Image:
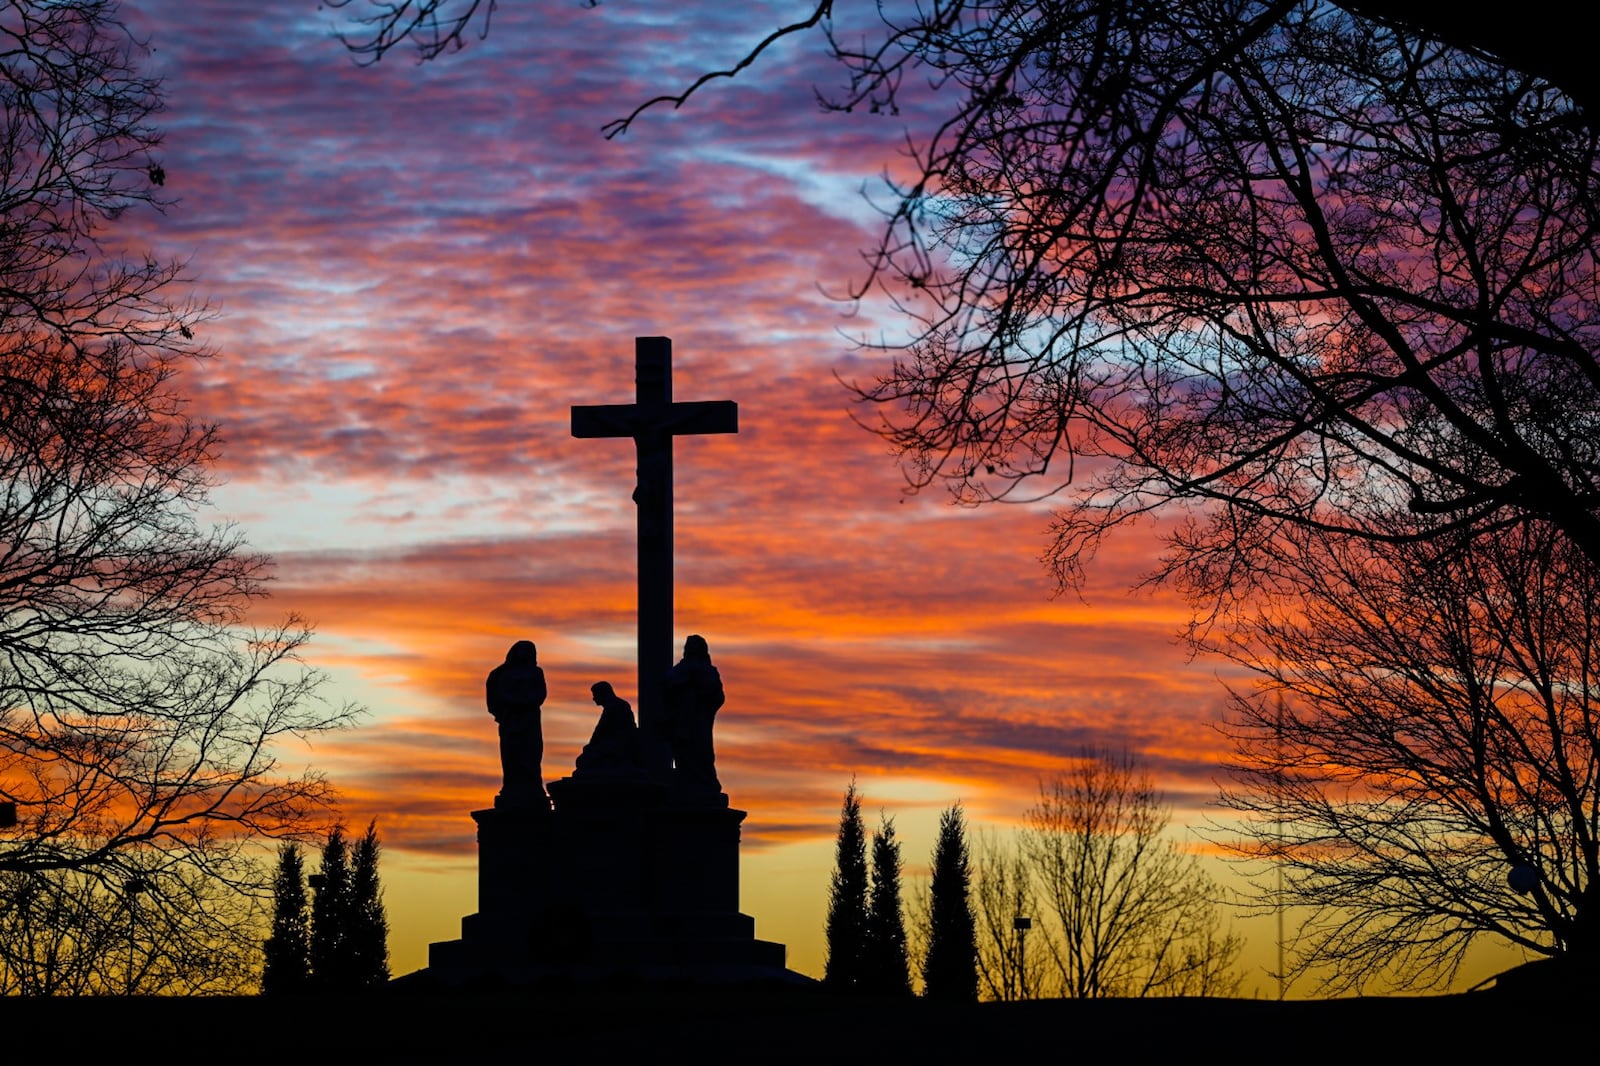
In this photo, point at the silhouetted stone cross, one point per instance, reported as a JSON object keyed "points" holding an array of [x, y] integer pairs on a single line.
{"points": [[652, 421]]}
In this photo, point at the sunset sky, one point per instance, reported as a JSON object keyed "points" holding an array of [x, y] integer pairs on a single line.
{"points": [[417, 270]]}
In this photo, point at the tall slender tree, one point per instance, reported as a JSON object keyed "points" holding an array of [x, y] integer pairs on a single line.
{"points": [[884, 969], [847, 899], [367, 936], [950, 971], [288, 949], [330, 914]]}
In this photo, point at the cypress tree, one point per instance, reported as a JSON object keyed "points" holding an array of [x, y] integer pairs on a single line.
{"points": [[288, 949], [951, 969], [884, 968], [330, 915], [847, 899], [367, 936]]}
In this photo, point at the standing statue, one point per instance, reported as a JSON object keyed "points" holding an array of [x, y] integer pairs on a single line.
{"points": [[693, 696], [516, 691], [614, 747]]}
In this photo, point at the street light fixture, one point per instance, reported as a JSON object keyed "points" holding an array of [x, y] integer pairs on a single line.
{"points": [[1022, 925]]}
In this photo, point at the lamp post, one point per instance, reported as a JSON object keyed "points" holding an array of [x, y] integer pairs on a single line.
{"points": [[133, 887], [1022, 925]]}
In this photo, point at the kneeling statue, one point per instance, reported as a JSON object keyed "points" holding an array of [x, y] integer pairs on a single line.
{"points": [[615, 743]]}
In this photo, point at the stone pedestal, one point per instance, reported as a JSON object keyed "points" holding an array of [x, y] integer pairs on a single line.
{"points": [[622, 878]]}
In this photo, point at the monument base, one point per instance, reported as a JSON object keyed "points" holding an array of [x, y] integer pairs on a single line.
{"points": [[621, 879]]}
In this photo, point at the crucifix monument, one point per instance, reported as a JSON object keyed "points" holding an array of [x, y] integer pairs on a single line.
{"points": [[630, 866], [652, 420]]}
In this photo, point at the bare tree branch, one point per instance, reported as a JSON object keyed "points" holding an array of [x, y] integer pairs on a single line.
{"points": [[617, 127], [434, 27]]}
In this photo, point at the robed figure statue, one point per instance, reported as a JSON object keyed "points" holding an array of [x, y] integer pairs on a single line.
{"points": [[693, 696], [516, 692]]}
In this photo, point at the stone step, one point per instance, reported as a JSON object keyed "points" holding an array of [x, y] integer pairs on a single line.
{"points": [[465, 960]]}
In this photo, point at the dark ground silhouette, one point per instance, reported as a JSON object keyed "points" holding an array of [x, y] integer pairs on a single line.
{"points": [[625, 1022]]}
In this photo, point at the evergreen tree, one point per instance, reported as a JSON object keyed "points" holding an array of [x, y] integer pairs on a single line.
{"points": [[884, 969], [288, 949], [367, 936], [950, 971], [330, 915], [847, 899]]}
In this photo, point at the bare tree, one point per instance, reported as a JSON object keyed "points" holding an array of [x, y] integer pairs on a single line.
{"points": [[1429, 722], [54, 937], [1130, 912], [919, 919], [172, 930], [139, 720], [1003, 893], [1293, 270]]}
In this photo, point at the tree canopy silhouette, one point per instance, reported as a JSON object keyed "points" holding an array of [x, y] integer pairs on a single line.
{"points": [[1304, 272], [1421, 760], [139, 718], [1004, 896], [1319, 290]]}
